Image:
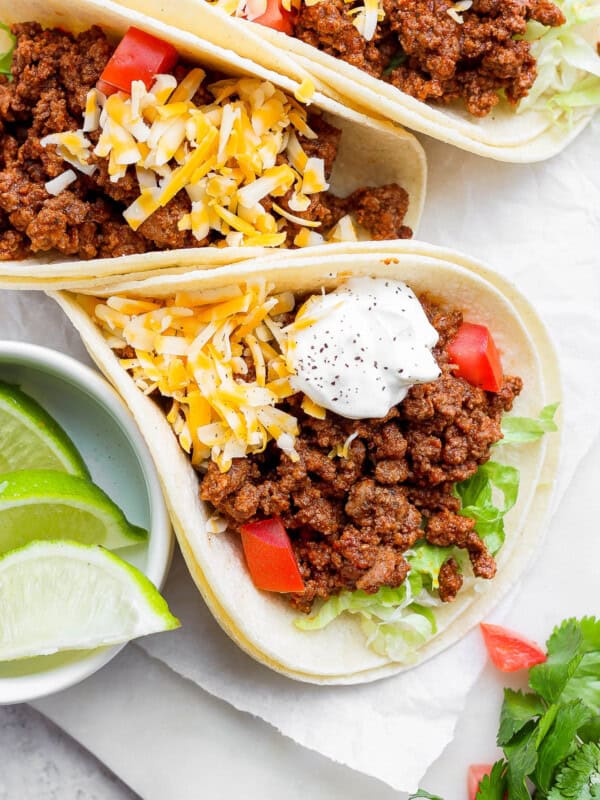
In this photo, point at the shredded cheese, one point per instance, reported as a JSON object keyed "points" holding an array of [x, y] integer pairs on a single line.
{"points": [[61, 182], [454, 12], [223, 153], [196, 348]]}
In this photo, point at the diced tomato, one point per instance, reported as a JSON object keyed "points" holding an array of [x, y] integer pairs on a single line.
{"points": [[270, 557], [275, 16], [474, 352], [139, 57], [474, 776], [509, 650]]}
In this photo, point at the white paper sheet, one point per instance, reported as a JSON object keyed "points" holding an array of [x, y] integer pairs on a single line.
{"points": [[539, 225]]}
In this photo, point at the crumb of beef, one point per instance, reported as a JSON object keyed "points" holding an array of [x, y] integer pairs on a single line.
{"points": [[443, 60], [118, 239], [52, 74], [326, 144], [161, 228], [381, 211], [446, 529], [63, 223], [450, 581], [351, 520]]}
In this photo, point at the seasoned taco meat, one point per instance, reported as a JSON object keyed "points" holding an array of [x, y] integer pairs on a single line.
{"points": [[352, 518], [52, 74], [428, 53]]}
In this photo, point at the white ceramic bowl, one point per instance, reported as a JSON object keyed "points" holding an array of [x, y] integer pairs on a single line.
{"points": [[105, 433]]}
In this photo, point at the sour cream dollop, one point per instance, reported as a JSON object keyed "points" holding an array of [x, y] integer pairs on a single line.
{"points": [[358, 350]]}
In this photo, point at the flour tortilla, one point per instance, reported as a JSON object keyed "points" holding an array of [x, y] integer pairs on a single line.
{"points": [[262, 623], [503, 135], [372, 152]]}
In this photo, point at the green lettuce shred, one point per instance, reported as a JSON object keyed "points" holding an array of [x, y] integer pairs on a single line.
{"points": [[519, 430], [568, 81], [479, 503], [8, 42], [427, 560], [393, 623]]}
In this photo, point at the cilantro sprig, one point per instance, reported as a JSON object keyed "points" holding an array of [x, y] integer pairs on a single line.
{"points": [[550, 736]]}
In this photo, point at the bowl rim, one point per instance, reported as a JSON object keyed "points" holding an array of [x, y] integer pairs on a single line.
{"points": [[25, 688]]}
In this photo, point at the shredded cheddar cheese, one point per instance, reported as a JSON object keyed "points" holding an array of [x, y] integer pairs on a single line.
{"points": [[223, 153], [198, 348]]}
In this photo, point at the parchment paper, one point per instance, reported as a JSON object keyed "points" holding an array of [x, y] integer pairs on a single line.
{"points": [[539, 225]]}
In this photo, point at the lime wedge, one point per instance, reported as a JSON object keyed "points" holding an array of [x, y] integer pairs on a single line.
{"points": [[68, 596], [31, 439], [43, 504]]}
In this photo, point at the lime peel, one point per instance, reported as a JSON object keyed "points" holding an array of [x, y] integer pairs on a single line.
{"points": [[44, 504], [31, 439], [68, 596]]}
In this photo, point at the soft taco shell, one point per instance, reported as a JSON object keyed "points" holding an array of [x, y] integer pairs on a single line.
{"points": [[261, 623], [503, 135], [372, 151]]}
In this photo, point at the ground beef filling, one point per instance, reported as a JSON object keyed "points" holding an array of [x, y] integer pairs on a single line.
{"points": [[422, 50], [352, 519], [52, 74]]}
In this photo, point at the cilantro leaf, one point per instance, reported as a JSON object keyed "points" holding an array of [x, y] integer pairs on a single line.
{"points": [[423, 793], [477, 498], [7, 40], [590, 630], [517, 710], [585, 681], [579, 778], [519, 430], [493, 786], [521, 756], [565, 652], [546, 723], [591, 731], [559, 741]]}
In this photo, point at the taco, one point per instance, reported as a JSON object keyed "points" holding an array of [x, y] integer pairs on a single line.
{"points": [[324, 448], [514, 80], [133, 147]]}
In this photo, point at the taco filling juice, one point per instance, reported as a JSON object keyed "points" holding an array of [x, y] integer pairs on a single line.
{"points": [[346, 436], [115, 152]]}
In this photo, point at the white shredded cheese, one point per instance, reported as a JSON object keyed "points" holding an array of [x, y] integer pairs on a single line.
{"points": [[60, 183], [196, 348], [455, 10], [223, 153]]}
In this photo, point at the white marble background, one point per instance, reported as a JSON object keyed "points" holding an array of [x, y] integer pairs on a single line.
{"points": [[40, 762]]}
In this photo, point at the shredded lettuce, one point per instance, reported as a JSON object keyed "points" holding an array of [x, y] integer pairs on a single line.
{"points": [[427, 560], [478, 502], [7, 44], [393, 623], [568, 81], [400, 640], [519, 430]]}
